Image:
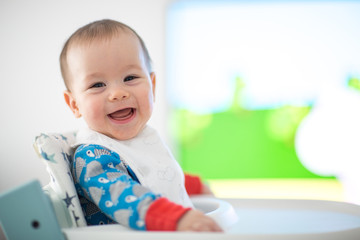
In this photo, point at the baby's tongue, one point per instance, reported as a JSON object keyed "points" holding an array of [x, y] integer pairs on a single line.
{"points": [[121, 114]]}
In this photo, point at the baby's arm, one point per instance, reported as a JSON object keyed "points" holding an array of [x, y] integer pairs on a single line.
{"points": [[109, 184], [194, 185], [173, 217]]}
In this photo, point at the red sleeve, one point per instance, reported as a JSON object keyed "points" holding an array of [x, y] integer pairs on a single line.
{"points": [[164, 215], [193, 184]]}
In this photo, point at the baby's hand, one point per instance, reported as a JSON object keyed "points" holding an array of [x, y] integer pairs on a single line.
{"points": [[195, 220], [206, 190]]}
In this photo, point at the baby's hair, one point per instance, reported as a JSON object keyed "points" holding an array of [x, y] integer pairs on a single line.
{"points": [[98, 30]]}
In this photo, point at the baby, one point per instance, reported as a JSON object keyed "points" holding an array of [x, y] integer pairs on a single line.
{"points": [[123, 171]]}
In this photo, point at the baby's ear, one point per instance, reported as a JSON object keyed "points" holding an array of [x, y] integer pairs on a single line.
{"points": [[71, 102], [153, 83]]}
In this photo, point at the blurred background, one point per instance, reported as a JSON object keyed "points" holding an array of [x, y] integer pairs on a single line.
{"points": [[259, 98]]}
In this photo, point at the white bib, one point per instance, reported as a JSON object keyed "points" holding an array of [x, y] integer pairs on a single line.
{"points": [[149, 158]]}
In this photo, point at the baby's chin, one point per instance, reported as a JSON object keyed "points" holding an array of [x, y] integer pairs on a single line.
{"points": [[123, 135]]}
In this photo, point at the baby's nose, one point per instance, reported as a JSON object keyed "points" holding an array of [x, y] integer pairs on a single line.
{"points": [[118, 93]]}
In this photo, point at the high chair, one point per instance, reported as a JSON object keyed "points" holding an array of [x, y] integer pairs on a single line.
{"points": [[240, 218]]}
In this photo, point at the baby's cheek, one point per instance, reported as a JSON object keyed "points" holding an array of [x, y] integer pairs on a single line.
{"points": [[95, 111]]}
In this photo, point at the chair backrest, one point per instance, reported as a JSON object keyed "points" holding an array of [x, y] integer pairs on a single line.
{"points": [[56, 152]]}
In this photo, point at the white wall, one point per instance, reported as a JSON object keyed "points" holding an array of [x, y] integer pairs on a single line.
{"points": [[31, 37]]}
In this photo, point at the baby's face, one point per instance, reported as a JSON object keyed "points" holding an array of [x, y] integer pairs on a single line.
{"points": [[111, 86]]}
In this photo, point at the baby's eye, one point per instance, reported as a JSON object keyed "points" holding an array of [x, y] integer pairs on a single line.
{"points": [[129, 78], [98, 85]]}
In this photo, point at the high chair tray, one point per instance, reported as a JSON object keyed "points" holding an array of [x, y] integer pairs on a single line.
{"points": [[257, 219]]}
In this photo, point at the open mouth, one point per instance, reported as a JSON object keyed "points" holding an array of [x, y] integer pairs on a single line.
{"points": [[123, 115]]}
